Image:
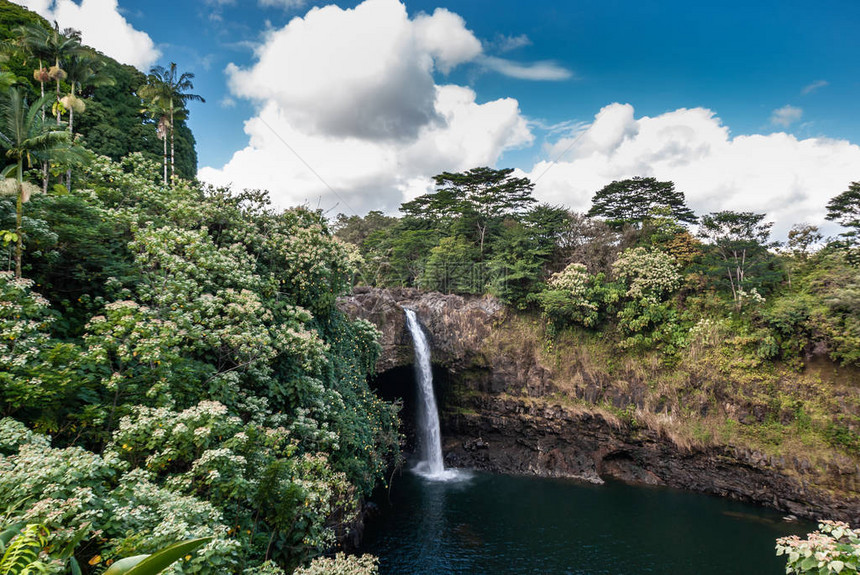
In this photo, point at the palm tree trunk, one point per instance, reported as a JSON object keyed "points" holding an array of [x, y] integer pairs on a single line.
{"points": [[57, 90], [71, 137], [44, 164], [172, 150], [19, 221], [164, 139]]}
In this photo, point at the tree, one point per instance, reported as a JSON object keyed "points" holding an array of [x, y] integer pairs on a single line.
{"points": [[740, 239], [483, 193], [27, 137], [49, 44], [356, 229], [801, 237], [635, 200], [845, 210], [167, 92], [82, 70]]}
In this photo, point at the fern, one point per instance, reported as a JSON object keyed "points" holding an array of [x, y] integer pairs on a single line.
{"points": [[22, 554]]}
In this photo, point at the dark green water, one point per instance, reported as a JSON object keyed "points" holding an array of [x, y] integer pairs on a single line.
{"points": [[498, 524]]}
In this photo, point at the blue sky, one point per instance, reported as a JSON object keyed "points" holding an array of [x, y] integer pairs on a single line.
{"points": [[741, 59], [760, 95]]}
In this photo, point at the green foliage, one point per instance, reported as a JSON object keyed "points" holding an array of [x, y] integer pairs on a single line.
{"points": [[572, 296], [450, 267], [834, 548], [738, 251], [21, 555], [156, 562], [341, 564], [34, 375], [845, 210], [199, 392], [636, 200]]}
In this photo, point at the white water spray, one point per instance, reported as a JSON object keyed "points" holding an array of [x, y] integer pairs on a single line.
{"points": [[429, 435]]}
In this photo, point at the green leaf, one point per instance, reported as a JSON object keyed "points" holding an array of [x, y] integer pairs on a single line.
{"points": [[7, 535], [123, 566], [837, 566], [158, 561]]}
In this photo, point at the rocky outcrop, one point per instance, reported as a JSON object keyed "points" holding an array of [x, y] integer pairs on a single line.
{"points": [[507, 409], [513, 435], [456, 325]]}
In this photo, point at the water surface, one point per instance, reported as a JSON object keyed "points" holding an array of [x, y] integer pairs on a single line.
{"points": [[497, 524]]}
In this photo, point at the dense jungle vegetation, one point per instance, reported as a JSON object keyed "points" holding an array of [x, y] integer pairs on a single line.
{"points": [[630, 269], [172, 363]]}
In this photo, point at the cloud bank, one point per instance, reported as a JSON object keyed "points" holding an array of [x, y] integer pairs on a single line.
{"points": [[102, 26], [789, 179], [350, 95]]}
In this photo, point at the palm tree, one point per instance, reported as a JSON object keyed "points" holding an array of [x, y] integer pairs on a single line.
{"points": [[168, 90], [49, 44], [82, 70], [161, 117], [27, 138]]}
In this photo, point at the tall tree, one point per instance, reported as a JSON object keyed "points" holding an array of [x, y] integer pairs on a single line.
{"points": [[845, 210], [50, 45], [740, 239], [636, 200], [83, 70], [27, 138], [168, 90], [484, 195]]}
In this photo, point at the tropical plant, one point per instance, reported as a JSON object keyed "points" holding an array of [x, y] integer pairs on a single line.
{"points": [[50, 45], [155, 563], [83, 70], [27, 137], [167, 94], [845, 210], [21, 547], [834, 548]]}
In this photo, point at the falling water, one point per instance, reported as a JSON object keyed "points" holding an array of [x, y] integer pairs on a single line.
{"points": [[430, 438]]}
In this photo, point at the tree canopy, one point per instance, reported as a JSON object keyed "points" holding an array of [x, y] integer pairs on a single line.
{"points": [[635, 200], [845, 210]]}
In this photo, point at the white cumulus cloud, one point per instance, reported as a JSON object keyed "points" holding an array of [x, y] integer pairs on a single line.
{"points": [[348, 97], [445, 37], [789, 179], [102, 26]]}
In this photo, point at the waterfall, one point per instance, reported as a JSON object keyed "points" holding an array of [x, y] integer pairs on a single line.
{"points": [[429, 435]]}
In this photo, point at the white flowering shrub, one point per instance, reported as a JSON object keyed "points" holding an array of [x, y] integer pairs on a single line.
{"points": [[72, 491], [573, 296], [646, 318], [648, 274], [34, 368], [341, 564], [834, 548], [312, 266], [249, 471], [206, 379]]}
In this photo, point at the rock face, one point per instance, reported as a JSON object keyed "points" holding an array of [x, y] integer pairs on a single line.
{"points": [[503, 410], [457, 326]]}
